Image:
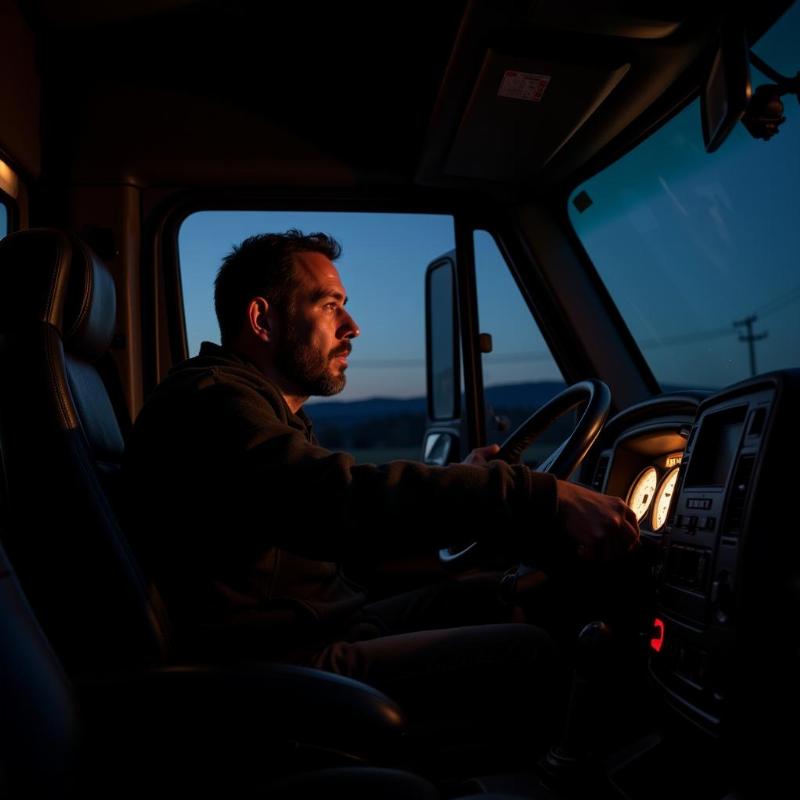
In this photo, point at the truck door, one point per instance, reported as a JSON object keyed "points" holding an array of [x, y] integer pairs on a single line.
{"points": [[488, 364]]}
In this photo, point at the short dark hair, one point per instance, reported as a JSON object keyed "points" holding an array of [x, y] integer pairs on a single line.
{"points": [[263, 265]]}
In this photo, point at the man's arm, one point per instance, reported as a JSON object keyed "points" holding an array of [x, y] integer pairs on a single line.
{"points": [[231, 447], [601, 527]]}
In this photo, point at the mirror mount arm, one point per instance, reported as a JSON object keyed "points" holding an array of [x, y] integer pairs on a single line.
{"points": [[764, 113], [790, 84]]}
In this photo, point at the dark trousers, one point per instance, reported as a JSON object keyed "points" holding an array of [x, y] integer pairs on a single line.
{"points": [[458, 665]]}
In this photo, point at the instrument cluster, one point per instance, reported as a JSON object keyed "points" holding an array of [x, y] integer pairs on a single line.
{"points": [[642, 466], [651, 492]]}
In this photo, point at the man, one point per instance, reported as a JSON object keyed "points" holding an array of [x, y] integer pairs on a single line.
{"points": [[255, 518]]}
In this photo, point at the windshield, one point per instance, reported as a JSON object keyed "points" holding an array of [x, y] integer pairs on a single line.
{"points": [[700, 251]]}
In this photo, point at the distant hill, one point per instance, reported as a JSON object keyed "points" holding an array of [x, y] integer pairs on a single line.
{"points": [[530, 395], [340, 410], [386, 422], [523, 395], [390, 422]]}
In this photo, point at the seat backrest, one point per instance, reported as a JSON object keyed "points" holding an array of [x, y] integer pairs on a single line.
{"points": [[62, 446]]}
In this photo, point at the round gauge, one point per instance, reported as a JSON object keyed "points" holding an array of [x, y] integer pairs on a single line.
{"points": [[641, 492], [663, 499]]}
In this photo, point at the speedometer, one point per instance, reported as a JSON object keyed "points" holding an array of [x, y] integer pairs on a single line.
{"points": [[641, 492], [664, 499]]}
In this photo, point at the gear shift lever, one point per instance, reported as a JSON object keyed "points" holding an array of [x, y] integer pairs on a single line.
{"points": [[568, 761]]}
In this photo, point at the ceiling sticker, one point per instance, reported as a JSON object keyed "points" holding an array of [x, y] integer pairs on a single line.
{"points": [[523, 85]]}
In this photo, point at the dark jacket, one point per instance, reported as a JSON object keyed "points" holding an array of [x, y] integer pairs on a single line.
{"points": [[239, 511]]}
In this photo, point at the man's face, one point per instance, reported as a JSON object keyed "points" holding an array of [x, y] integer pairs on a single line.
{"points": [[314, 343]]}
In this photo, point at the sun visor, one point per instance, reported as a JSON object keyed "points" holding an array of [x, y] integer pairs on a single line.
{"points": [[522, 112]]}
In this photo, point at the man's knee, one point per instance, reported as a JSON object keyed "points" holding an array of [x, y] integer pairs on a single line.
{"points": [[343, 658]]}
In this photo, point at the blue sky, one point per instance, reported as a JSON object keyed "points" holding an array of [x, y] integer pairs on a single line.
{"points": [[383, 267]]}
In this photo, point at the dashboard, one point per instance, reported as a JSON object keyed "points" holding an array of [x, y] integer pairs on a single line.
{"points": [[710, 478]]}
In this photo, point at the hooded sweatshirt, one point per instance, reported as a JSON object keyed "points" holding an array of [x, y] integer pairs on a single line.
{"points": [[240, 514]]}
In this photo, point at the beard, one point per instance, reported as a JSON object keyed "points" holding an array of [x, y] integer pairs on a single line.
{"points": [[311, 370]]}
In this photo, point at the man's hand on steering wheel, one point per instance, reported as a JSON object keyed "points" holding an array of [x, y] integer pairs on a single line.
{"points": [[481, 456], [602, 527]]}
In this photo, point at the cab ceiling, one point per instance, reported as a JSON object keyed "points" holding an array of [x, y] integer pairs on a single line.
{"points": [[174, 92]]}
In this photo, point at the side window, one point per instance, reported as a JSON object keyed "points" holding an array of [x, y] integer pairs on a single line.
{"points": [[520, 373], [380, 415], [9, 192]]}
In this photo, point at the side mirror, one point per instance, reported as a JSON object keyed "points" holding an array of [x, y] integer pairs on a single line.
{"points": [[727, 88], [438, 445], [441, 329]]}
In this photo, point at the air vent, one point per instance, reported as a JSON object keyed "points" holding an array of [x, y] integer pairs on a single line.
{"points": [[600, 473], [736, 502]]}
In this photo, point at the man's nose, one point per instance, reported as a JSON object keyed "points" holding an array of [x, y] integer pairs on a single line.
{"points": [[348, 329]]}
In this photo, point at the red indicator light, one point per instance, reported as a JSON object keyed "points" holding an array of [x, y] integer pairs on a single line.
{"points": [[658, 635]]}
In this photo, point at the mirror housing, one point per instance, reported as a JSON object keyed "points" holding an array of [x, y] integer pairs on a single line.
{"points": [[441, 339], [727, 89]]}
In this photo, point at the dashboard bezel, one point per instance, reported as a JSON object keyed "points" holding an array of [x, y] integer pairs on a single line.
{"points": [[727, 591]]}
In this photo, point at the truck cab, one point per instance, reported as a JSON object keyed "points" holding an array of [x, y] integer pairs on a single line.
{"points": [[530, 197]]}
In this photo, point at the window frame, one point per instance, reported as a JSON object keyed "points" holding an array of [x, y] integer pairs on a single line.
{"points": [[12, 208], [164, 339]]}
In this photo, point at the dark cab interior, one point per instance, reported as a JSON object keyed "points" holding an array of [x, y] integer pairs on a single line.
{"points": [[123, 119]]}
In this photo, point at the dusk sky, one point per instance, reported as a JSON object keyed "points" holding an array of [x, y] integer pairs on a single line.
{"points": [[687, 243], [382, 267]]}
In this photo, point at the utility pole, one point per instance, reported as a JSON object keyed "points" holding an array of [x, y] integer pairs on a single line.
{"points": [[751, 338]]}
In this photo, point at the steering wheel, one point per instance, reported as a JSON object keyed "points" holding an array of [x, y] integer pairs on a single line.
{"points": [[562, 461]]}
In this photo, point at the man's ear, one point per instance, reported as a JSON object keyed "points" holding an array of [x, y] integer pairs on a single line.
{"points": [[258, 318]]}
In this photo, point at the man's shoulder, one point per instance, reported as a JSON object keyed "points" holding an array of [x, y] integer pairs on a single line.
{"points": [[215, 372], [215, 364]]}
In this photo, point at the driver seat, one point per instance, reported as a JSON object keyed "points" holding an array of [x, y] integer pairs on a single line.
{"points": [[62, 445], [210, 730]]}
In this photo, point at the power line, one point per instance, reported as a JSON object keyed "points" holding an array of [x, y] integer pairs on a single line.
{"points": [[683, 338], [770, 307], [792, 296], [381, 363], [496, 358]]}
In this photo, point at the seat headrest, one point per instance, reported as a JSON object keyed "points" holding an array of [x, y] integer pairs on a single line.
{"points": [[53, 277]]}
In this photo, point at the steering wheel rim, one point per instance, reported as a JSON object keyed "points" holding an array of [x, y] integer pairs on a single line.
{"points": [[566, 457]]}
